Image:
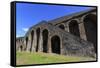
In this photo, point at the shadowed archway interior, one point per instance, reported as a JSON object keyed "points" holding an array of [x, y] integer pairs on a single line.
{"points": [[74, 28], [21, 47], [55, 44], [38, 36], [45, 40], [62, 27], [90, 24], [26, 42]]}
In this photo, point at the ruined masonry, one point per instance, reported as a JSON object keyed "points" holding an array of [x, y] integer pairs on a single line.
{"points": [[74, 34]]}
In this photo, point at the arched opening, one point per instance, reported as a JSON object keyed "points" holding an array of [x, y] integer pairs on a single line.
{"points": [[90, 23], [55, 44], [61, 26], [45, 40], [21, 47], [26, 42], [38, 36], [32, 35], [74, 28]]}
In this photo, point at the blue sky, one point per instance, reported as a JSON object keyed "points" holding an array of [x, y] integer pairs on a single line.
{"points": [[31, 14]]}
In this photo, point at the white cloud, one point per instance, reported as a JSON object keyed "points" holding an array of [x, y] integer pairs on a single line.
{"points": [[18, 36], [25, 29]]}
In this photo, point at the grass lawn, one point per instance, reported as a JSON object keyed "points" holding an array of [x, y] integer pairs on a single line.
{"points": [[25, 58]]}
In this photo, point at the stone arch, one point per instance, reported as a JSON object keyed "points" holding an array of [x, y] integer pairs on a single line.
{"points": [[26, 42], [32, 36], [62, 26], [90, 24], [38, 36], [45, 40], [74, 28], [55, 44]]}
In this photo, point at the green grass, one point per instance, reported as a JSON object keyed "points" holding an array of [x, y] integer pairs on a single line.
{"points": [[25, 58]]}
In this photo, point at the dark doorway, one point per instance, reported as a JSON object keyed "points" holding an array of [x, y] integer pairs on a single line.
{"points": [[74, 28], [38, 36], [32, 36], [55, 44], [62, 27], [26, 42], [45, 40], [90, 24], [21, 47]]}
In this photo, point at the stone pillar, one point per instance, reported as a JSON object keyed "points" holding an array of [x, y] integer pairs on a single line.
{"points": [[40, 48], [49, 45], [82, 31], [29, 43], [17, 44], [34, 42], [61, 46], [67, 27], [33, 48], [24, 44]]}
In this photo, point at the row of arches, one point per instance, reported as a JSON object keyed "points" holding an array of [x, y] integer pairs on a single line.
{"points": [[19, 45], [90, 25], [19, 40], [55, 41], [73, 27]]}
